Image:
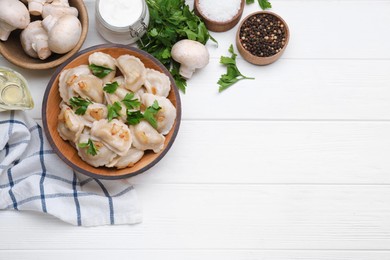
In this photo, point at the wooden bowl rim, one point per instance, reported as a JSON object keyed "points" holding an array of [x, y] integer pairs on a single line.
{"points": [[111, 177], [54, 63], [272, 58], [203, 16]]}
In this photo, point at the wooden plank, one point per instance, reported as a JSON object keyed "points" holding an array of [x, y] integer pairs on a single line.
{"points": [[276, 152], [292, 89], [194, 254], [245, 217], [319, 29], [327, 29]]}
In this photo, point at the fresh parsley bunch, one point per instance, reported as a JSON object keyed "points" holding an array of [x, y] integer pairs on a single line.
{"points": [[170, 22]]}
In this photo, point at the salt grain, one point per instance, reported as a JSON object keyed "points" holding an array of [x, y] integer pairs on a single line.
{"points": [[219, 11]]}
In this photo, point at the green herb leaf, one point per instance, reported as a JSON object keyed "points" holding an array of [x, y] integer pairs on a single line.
{"points": [[131, 103], [134, 117], [99, 71], [114, 110], [79, 104], [151, 112], [233, 75], [91, 149], [264, 4], [111, 87], [250, 1]]}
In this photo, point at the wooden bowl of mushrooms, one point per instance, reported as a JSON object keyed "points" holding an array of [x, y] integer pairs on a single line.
{"points": [[111, 112], [42, 34]]}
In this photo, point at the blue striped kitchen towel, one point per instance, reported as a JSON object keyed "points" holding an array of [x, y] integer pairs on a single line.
{"points": [[32, 177]]}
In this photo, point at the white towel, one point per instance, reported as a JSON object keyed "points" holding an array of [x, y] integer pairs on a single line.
{"points": [[32, 177]]}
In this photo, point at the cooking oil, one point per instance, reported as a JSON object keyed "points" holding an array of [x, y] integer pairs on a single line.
{"points": [[14, 94]]}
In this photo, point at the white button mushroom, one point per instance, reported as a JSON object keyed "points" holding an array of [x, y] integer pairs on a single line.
{"points": [[191, 55], [34, 40], [64, 32], [13, 15]]}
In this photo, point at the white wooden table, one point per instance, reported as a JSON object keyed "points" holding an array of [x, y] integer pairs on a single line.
{"points": [[293, 165]]}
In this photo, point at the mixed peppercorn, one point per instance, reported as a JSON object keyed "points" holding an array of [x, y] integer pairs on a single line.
{"points": [[263, 35]]}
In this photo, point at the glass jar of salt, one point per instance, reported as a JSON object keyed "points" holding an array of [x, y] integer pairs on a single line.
{"points": [[122, 21], [14, 94]]}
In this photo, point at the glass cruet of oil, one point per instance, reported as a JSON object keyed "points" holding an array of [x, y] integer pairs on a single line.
{"points": [[14, 93]]}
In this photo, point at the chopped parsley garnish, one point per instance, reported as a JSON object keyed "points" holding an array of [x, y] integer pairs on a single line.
{"points": [[151, 112], [114, 110], [134, 117], [91, 149], [130, 102], [111, 87], [79, 104], [99, 71]]}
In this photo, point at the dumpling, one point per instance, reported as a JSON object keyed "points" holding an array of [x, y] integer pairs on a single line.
{"points": [[166, 115], [104, 60], [89, 87], [128, 160], [94, 112], [68, 78], [133, 71], [157, 83], [103, 154], [115, 135], [69, 125], [145, 137]]}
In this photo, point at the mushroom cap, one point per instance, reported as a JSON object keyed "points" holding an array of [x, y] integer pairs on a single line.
{"points": [[192, 53], [14, 13], [65, 34]]}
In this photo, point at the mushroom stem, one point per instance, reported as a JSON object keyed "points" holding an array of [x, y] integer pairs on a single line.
{"points": [[5, 31], [35, 8], [186, 71], [49, 22]]}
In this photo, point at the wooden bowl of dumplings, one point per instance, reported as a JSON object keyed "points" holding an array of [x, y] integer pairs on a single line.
{"points": [[123, 150]]}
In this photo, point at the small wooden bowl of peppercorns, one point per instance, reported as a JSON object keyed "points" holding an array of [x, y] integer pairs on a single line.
{"points": [[262, 37]]}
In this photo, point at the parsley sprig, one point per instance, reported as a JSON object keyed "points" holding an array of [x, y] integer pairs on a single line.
{"points": [[170, 22], [80, 104], [99, 71], [264, 4], [232, 75], [114, 111], [91, 149], [111, 87]]}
